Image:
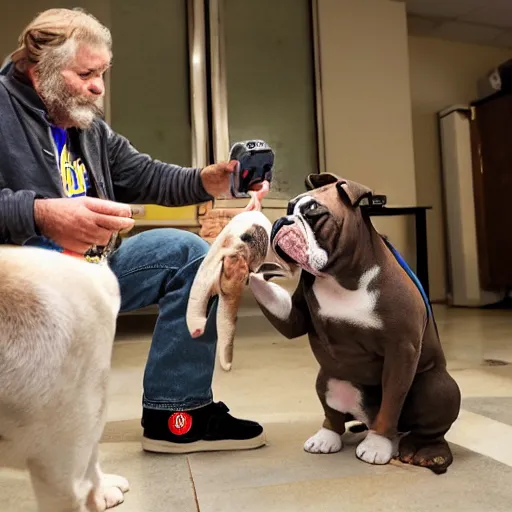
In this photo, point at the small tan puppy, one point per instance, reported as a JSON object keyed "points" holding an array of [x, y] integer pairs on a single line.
{"points": [[57, 326]]}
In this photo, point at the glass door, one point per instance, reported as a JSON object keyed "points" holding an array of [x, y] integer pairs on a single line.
{"points": [[263, 67], [152, 87]]}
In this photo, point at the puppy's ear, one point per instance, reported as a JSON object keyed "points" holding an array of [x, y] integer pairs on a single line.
{"points": [[319, 180], [355, 192]]}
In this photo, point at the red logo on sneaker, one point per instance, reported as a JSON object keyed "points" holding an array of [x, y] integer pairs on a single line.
{"points": [[180, 423]]}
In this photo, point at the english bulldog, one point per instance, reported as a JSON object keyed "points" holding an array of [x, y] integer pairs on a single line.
{"points": [[57, 325], [370, 327]]}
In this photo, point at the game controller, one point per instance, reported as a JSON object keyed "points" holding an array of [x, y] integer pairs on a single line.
{"points": [[256, 161]]}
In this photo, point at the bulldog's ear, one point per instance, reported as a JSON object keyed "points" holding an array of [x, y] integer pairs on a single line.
{"points": [[319, 180], [355, 192]]}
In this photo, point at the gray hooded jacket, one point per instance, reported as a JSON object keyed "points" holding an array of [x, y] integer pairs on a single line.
{"points": [[29, 168]]}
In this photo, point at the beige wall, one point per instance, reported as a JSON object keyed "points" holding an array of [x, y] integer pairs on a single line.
{"points": [[367, 105], [381, 92], [442, 73]]}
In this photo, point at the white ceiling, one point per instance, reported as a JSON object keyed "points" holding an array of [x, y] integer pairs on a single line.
{"points": [[486, 22]]}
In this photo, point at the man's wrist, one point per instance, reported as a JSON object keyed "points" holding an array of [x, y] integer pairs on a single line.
{"points": [[203, 195], [40, 209]]}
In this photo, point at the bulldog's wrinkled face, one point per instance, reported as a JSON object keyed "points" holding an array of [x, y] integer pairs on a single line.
{"points": [[321, 224]]}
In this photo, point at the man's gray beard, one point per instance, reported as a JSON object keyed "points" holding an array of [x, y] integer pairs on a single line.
{"points": [[64, 107]]}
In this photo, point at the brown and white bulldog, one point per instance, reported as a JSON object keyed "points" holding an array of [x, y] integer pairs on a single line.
{"points": [[371, 330]]}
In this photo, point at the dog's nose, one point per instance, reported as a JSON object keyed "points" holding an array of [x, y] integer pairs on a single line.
{"points": [[278, 224]]}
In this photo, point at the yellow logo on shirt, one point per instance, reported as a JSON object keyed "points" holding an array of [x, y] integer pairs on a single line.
{"points": [[74, 174]]}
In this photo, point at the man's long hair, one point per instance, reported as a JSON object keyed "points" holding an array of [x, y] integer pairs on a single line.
{"points": [[55, 33]]}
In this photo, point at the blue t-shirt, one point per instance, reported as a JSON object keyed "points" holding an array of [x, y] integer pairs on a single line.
{"points": [[74, 177], [75, 180]]}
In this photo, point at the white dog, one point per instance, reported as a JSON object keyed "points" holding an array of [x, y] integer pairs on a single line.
{"points": [[57, 327]]}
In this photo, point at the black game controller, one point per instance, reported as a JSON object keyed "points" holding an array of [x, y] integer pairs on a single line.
{"points": [[256, 160]]}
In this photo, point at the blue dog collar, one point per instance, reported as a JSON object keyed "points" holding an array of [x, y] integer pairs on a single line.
{"points": [[411, 274]]}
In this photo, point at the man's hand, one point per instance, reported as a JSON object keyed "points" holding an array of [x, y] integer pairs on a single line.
{"points": [[216, 178], [76, 224]]}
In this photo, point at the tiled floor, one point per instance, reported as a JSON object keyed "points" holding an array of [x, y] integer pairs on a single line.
{"points": [[273, 382]]}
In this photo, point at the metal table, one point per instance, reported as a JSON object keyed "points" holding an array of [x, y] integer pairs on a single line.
{"points": [[420, 215]]}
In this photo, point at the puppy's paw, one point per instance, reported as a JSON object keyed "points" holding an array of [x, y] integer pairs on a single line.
{"points": [[377, 449], [113, 488], [113, 496], [95, 501], [120, 482], [324, 441]]}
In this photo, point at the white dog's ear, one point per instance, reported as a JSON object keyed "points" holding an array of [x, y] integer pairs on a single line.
{"points": [[206, 285]]}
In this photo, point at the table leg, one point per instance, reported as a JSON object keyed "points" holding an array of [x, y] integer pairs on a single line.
{"points": [[421, 249]]}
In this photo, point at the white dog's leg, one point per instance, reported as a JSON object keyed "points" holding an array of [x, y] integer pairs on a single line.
{"points": [[66, 474], [96, 501], [58, 481], [108, 491], [113, 487]]}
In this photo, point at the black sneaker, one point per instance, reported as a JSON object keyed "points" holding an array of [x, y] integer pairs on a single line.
{"points": [[210, 428]]}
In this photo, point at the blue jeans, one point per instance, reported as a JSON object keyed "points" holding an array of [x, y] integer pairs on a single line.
{"points": [[158, 267]]}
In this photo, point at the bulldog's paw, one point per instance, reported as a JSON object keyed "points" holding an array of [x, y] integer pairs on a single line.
{"points": [[113, 488], [324, 441], [377, 449]]}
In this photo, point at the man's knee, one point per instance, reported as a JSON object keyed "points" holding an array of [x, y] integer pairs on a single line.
{"points": [[188, 243], [168, 246]]}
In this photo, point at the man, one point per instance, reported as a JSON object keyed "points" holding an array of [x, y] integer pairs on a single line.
{"points": [[64, 176]]}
